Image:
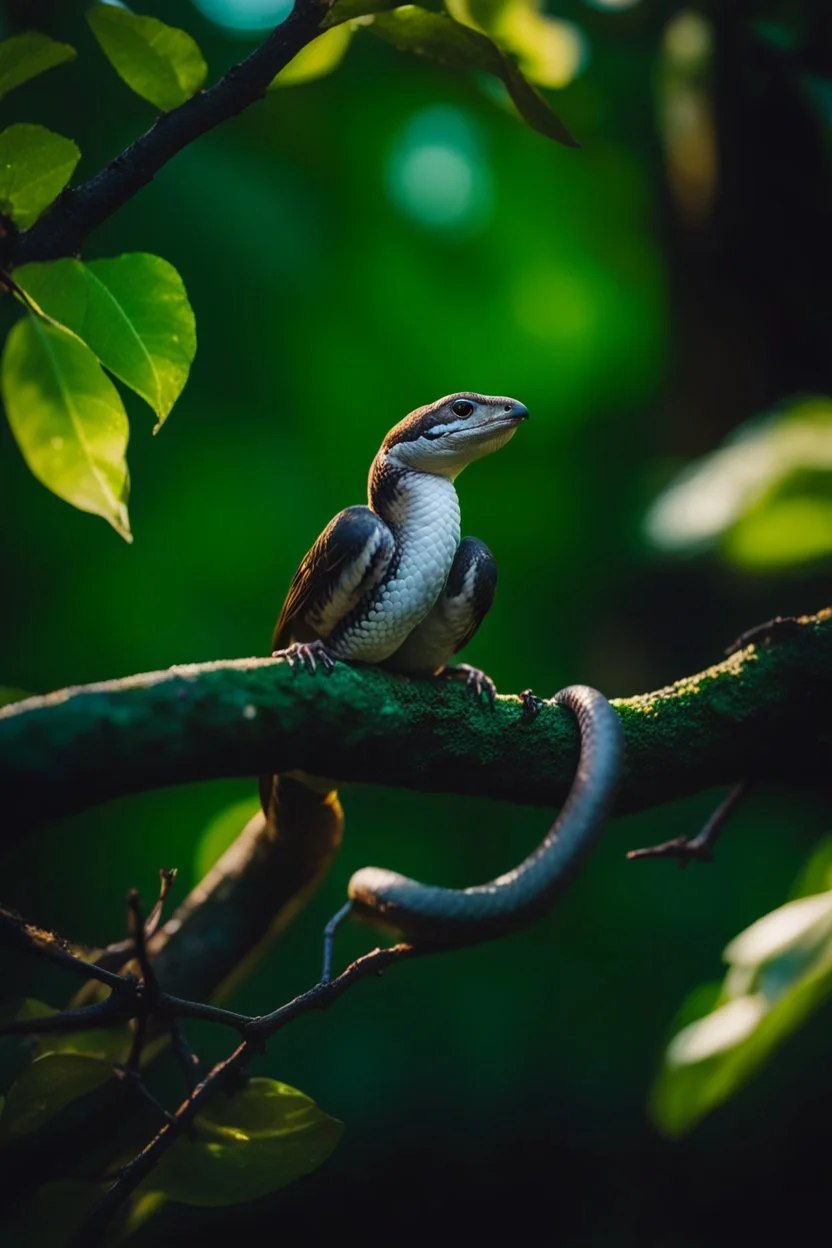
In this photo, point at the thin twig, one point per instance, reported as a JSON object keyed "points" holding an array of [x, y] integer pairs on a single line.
{"points": [[15, 931], [699, 847], [260, 1029], [186, 1057]]}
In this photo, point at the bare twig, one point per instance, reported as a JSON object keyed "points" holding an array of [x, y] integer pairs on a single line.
{"points": [[699, 847], [258, 1031], [25, 936]]}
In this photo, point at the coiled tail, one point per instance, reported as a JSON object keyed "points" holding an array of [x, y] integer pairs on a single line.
{"points": [[448, 917]]}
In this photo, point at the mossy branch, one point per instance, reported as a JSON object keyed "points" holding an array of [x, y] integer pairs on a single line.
{"points": [[760, 712]]}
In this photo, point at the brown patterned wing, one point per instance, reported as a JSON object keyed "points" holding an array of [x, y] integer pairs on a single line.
{"points": [[347, 561]]}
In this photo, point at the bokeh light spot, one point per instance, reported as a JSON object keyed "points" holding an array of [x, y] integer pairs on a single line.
{"points": [[554, 304], [244, 15], [438, 172]]}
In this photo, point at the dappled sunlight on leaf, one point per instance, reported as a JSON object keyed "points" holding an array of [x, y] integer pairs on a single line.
{"points": [[765, 496], [264, 1137], [549, 51]]}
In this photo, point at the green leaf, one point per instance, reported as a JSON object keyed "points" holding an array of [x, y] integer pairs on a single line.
{"points": [[68, 419], [45, 1087], [350, 10], [160, 63], [548, 51], [35, 166], [780, 972], [222, 832], [26, 55], [318, 58], [763, 497], [248, 1145], [440, 38], [132, 312]]}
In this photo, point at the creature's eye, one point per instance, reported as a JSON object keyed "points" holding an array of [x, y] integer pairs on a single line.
{"points": [[462, 408]]}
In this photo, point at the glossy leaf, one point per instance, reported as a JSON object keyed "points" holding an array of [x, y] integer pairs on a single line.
{"points": [[265, 1136], [780, 972], [35, 166], [548, 51], [26, 55], [131, 311], [441, 39], [221, 832], [160, 63], [45, 1087], [316, 60], [68, 419]]}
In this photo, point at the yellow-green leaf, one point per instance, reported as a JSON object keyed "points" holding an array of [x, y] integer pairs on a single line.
{"points": [[35, 166], [265, 1136], [26, 55], [549, 51], [318, 58], [68, 419], [160, 63], [437, 36], [131, 311]]}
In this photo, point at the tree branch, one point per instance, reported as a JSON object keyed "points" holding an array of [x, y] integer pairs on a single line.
{"points": [[63, 228], [761, 712]]}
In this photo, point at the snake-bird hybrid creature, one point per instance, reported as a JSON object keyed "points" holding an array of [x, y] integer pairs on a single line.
{"points": [[392, 584]]}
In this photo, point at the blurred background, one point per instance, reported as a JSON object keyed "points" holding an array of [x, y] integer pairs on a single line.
{"points": [[356, 247]]}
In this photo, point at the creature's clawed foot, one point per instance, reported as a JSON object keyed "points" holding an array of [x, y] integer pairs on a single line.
{"points": [[475, 680], [531, 704], [308, 654], [699, 848]]}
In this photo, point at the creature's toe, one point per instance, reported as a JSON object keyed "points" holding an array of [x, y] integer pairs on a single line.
{"points": [[308, 654], [531, 703]]}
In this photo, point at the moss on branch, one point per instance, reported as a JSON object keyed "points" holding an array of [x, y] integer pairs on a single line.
{"points": [[761, 711]]}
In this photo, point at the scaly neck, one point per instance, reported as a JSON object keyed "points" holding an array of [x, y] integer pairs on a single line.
{"points": [[404, 497]]}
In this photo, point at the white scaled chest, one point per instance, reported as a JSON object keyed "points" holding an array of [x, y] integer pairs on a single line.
{"points": [[424, 517]]}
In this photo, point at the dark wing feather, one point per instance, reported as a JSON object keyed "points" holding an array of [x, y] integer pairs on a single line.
{"points": [[346, 562], [473, 551]]}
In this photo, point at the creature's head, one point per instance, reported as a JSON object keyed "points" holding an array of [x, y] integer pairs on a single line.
{"points": [[445, 436]]}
